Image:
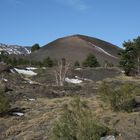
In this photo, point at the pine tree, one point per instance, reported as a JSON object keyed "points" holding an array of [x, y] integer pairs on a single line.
{"points": [[91, 61], [130, 56], [35, 47]]}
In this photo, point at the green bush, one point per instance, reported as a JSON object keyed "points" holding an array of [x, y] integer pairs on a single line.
{"points": [[48, 62], [4, 103], [119, 98], [77, 123]]}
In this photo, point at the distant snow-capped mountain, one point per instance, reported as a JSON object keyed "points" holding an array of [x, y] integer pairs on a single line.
{"points": [[15, 49]]}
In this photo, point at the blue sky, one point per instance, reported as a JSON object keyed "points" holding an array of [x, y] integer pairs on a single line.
{"points": [[26, 22]]}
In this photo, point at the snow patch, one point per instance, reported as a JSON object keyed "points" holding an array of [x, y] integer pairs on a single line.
{"points": [[73, 81], [25, 72], [12, 70], [108, 138], [84, 79], [31, 99], [78, 69], [18, 114], [102, 50], [5, 80], [28, 51], [31, 68], [44, 68]]}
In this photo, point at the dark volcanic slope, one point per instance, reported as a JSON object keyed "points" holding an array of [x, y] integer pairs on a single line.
{"points": [[77, 47]]}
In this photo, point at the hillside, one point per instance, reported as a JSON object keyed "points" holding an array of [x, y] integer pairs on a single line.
{"points": [[78, 47]]}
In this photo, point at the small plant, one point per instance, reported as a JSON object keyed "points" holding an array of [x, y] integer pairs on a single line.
{"points": [[77, 123], [119, 98], [4, 103]]}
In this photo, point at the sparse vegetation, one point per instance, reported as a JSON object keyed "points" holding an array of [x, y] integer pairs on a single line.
{"points": [[119, 98], [77, 123], [4, 103]]}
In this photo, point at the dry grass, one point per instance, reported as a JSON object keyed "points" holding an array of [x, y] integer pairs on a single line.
{"points": [[41, 113]]}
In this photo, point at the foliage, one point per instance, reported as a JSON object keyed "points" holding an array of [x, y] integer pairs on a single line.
{"points": [[119, 98], [130, 56], [35, 47], [48, 62], [4, 103], [91, 61], [77, 123], [77, 64]]}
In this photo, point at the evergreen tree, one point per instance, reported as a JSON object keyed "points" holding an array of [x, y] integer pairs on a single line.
{"points": [[91, 61], [48, 62], [130, 56], [35, 47]]}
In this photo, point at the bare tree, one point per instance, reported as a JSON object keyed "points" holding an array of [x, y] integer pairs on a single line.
{"points": [[61, 70]]}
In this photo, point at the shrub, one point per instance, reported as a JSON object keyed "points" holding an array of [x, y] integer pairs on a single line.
{"points": [[77, 64], [77, 123], [48, 62], [119, 98], [4, 103]]}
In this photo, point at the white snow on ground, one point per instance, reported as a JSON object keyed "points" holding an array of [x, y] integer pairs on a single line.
{"points": [[5, 80], [31, 68], [102, 50], [25, 72], [43, 68], [18, 114], [78, 69], [31, 99], [73, 81], [12, 70], [108, 138], [84, 79], [28, 51], [31, 82]]}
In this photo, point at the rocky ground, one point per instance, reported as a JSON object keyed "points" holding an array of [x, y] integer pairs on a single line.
{"points": [[40, 103]]}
